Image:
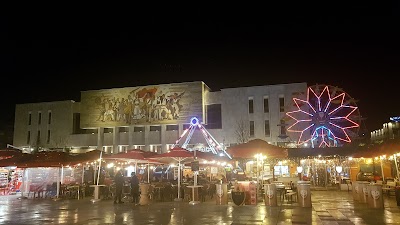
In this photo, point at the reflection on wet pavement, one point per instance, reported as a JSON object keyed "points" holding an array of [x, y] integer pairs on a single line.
{"points": [[328, 207]]}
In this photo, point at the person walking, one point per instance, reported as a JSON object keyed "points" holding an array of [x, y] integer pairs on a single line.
{"points": [[119, 185], [135, 188]]}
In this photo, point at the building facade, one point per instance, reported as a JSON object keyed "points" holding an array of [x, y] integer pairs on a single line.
{"points": [[153, 117], [389, 130]]}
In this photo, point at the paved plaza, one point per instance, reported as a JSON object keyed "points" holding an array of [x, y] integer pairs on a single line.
{"points": [[328, 207]]}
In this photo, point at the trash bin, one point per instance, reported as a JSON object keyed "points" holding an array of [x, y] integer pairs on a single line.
{"points": [[356, 196], [144, 194], [304, 194], [397, 193], [270, 198], [222, 194], [362, 191], [375, 198]]}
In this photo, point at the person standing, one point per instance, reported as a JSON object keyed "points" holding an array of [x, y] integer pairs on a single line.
{"points": [[119, 185], [135, 188]]}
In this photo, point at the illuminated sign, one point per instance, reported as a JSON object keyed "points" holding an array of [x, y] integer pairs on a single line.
{"points": [[395, 118]]}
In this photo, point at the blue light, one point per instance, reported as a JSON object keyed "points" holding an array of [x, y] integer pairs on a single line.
{"points": [[194, 121]]}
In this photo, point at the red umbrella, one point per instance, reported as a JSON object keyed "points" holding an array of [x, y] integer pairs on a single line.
{"points": [[85, 157], [256, 146], [9, 153], [178, 154], [16, 160], [134, 155]]}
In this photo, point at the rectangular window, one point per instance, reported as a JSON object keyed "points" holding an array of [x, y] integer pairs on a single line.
{"points": [[283, 128], [266, 128], [123, 148], [141, 147], [138, 129], [123, 129], [251, 105], [39, 118], [251, 128], [108, 130], [49, 122], [281, 104], [214, 116], [38, 137], [48, 136], [266, 105], [155, 128], [155, 148], [30, 119], [172, 127], [28, 138]]}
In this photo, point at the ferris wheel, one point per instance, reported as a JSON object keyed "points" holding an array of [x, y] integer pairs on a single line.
{"points": [[326, 117]]}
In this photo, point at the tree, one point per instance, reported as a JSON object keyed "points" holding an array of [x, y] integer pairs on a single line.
{"points": [[242, 131]]}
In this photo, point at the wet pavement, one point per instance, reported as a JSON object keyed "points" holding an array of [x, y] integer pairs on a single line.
{"points": [[328, 207]]}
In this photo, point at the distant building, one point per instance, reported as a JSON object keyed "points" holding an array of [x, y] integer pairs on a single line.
{"points": [[390, 130], [153, 117]]}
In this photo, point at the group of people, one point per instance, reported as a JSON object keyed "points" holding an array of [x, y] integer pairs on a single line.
{"points": [[119, 185]]}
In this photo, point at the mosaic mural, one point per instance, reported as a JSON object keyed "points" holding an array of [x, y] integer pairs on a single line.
{"points": [[156, 104]]}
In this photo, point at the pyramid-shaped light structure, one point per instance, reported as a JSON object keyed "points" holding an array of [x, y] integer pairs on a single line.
{"points": [[213, 145]]}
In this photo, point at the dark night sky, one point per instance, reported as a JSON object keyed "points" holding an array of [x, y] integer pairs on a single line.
{"points": [[54, 56]]}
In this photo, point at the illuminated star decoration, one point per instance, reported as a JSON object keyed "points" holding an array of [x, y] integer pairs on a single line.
{"points": [[324, 118]]}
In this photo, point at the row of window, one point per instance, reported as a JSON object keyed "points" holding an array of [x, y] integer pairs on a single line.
{"points": [[266, 104], [152, 128], [38, 137], [39, 118], [267, 130]]}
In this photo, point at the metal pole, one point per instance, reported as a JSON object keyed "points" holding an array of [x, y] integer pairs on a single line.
{"points": [[383, 175], [98, 171], [179, 178], [148, 173], [62, 174], [58, 183], [397, 167], [258, 177], [83, 174]]}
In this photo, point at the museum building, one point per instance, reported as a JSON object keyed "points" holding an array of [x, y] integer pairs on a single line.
{"points": [[153, 117]]}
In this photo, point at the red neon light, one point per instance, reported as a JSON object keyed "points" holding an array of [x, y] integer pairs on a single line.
{"points": [[322, 110]]}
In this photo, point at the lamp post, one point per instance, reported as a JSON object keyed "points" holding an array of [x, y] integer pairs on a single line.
{"points": [[299, 171], [339, 169], [257, 170]]}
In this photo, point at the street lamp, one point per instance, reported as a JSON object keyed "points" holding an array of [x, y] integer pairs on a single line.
{"points": [[339, 169], [299, 171]]}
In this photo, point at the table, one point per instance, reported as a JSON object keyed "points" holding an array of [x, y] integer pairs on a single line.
{"points": [[158, 188], [97, 191], [282, 189], [194, 187], [74, 187]]}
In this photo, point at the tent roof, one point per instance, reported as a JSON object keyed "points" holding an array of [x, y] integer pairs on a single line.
{"points": [[256, 146], [133, 155]]}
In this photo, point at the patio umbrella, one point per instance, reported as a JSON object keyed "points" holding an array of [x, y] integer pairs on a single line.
{"points": [[256, 146], [84, 157], [179, 155], [136, 156], [9, 153]]}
